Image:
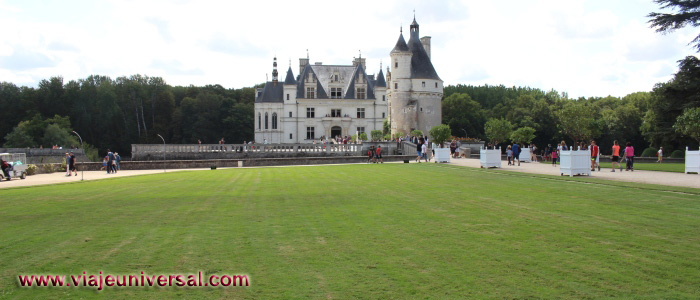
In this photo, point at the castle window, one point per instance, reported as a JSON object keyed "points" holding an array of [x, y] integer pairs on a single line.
{"points": [[290, 136], [383, 115], [310, 93], [335, 113], [310, 112], [396, 86], [360, 130], [287, 96], [335, 78], [336, 93], [360, 112], [423, 83], [396, 64], [383, 97], [266, 124], [310, 133], [259, 121], [361, 93], [274, 120], [436, 85], [290, 114]]}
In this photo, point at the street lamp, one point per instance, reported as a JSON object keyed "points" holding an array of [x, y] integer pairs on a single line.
{"points": [[82, 177], [161, 137], [465, 132]]}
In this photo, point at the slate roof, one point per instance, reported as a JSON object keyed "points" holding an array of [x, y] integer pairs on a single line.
{"points": [[272, 92], [421, 67], [290, 77], [381, 82], [400, 44]]}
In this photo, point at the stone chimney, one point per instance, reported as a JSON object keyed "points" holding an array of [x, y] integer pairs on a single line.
{"points": [[426, 44]]}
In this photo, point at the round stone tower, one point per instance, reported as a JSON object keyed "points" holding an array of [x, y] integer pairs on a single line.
{"points": [[415, 90]]}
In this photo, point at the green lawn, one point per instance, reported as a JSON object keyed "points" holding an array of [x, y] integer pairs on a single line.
{"points": [[391, 231], [665, 167]]}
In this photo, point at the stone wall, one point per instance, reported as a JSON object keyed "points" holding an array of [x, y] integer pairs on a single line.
{"points": [[228, 163]]}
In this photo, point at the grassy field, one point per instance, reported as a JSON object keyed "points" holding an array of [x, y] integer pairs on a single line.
{"points": [[391, 231], [665, 167]]}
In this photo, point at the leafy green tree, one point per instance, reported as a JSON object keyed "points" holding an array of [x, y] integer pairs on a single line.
{"points": [[417, 133], [376, 135], [498, 130], [441, 133], [688, 13], [387, 137], [386, 127], [363, 136], [18, 137], [56, 135], [668, 101], [462, 114], [576, 120], [689, 123], [523, 135]]}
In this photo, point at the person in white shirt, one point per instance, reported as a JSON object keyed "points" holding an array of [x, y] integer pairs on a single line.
{"points": [[660, 154], [424, 151]]}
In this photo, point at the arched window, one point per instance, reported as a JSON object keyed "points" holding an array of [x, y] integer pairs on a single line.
{"points": [[259, 121], [266, 122], [274, 120]]}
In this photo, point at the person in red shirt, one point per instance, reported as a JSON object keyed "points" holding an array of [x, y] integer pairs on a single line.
{"points": [[379, 154], [594, 156]]}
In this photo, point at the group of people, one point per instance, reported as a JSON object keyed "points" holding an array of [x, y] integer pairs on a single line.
{"points": [[618, 153], [70, 164], [375, 155], [111, 162]]}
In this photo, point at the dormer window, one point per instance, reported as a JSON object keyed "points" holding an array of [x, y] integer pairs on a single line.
{"points": [[361, 94], [335, 77], [336, 93], [310, 93]]}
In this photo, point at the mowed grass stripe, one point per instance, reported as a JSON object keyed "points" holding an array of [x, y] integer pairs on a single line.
{"points": [[358, 231]]}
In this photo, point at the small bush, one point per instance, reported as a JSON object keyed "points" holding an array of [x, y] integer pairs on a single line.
{"points": [[31, 169], [649, 152], [678, 154]]}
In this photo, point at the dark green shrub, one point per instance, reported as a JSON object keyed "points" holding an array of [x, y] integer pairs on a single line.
{"points": [[649, 152], [678, 154]]}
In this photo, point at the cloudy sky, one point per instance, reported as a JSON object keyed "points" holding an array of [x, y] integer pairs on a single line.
{"points": [[583, 47]]}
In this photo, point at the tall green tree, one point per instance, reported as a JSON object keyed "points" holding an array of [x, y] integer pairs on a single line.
{"points": [[439, 134], [498, 130], [576, 120], [687, 12], [462, 114], [689, 123]]}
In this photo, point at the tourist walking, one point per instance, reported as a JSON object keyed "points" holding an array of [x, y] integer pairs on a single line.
{"points": [[533, 153], [555, 155], [516, 153], [660, 155], [68, 164], [118, 161], [110, 161], [453, 148], [629, 156], [509, 154], [71, 166], [424, 149], [418, 150], [616, 156], [379, 154], [594, 156]]}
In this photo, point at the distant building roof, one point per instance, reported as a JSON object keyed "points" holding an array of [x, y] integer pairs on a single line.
{"points": [[290, 77], [271, 92], [400, 45], [421, 67]]}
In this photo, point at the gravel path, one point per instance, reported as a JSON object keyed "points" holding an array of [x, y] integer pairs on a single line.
{"points": [[654, 177]]}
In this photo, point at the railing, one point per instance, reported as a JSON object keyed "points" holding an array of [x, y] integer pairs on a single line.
{"points": [[40, 152], [243, 148]]}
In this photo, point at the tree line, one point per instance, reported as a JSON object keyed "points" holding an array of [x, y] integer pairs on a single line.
{"points": [[665, 117], [115, 113]]}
